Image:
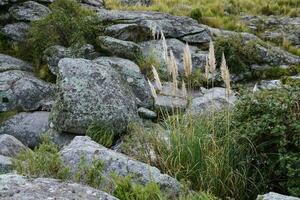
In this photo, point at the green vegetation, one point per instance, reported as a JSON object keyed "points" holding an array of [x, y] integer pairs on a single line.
{"points": [[276, 72], [101, 133], [43, 161], [8, 114]]}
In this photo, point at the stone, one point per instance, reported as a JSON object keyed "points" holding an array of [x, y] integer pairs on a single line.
{"points": [[120, 48], [275, 196], [5, 165], [61, 139], [154, 48], [146, 113], [54, 54], [27, 127], [214, 98], [136, 2], [268, 84], [10, 146], [132, 76], [22, 90], [10, 63], [94, 3], [89, 92], [182, 28], [16, 31], [117, 163], [17, 187], [29, 11]]}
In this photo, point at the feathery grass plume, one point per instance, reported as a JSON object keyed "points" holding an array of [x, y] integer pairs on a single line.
{"points": [[187, 60], [183, 89], [153, 91], [206, 69], [165, 47], [174, 70], [225, 74], [156, 78], [212, 58]]}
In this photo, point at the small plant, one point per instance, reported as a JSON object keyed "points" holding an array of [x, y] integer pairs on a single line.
{"points": [[43, 161]]}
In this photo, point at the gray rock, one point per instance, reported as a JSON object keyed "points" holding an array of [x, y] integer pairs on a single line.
{"points": [[29, 11], [89, 92], [183, 28], [214, 98], [136, 2], [146, 113], [268, 84], [10, 63], [120, 48], [27, 127], [94, 3], [117, 163], [54, 54], [10, 146], [17, 187], [154, 48], [275, 196], [19, 89], [16, 31], [5, 165], [132, 76], [61, 139]]}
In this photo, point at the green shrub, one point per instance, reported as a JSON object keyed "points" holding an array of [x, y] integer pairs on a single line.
{"points": [[101, 133], [67, 25], [271, 121], [89, 174], [43, 161]]}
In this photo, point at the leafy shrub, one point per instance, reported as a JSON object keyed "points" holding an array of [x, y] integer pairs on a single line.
{"points": [[43, 161], [101, 133], [68, 24], [271, 121]]}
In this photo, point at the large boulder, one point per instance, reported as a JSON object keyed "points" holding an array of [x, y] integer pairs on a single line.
{"points": [[20, 89], [89, 92], [275, 196], [54, 54], [16, 31], [10, 146], [120, 48], [27, 127], [132, 76], [17, 187], [183, 28], [29, 11], [117, 163], [10, 63]]}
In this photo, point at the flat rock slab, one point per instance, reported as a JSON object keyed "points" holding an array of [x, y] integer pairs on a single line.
{"points": [[17, 187], [276, 196], [11, 63]]}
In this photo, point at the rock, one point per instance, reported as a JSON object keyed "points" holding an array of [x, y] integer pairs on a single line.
{"points": [[275, 196], [136, 2], [23, 90], [16, 31], [53, 54], [154, 48], [117, 163], [27, 127], [268, 84], [10, 63], [17, 187], [89, 92], [94, 3], [132, 76], [182, 28], [5, 165], [146, 113], [120, 48], [10, 146], [29, 11], [61, 139], [214, 98]]}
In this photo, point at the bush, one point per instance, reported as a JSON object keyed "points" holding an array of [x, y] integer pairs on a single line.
{"points": [[43, 161], [271, 121], [67, 25]]}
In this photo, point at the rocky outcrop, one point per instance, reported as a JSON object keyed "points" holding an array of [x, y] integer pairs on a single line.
{"points": [[10, 63], [23, 90], [275, 196], [16, 187], [54, 54], [89, 92], [132, 75], [29, 11], [117, 163], [16, 31], [27, 127], [10, 146]]}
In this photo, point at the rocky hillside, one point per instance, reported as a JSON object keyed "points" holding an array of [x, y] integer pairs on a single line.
{"points": [[98, 103]]}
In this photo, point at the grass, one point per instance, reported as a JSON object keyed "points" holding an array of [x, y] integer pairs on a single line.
{"points": [[218, 13]]}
